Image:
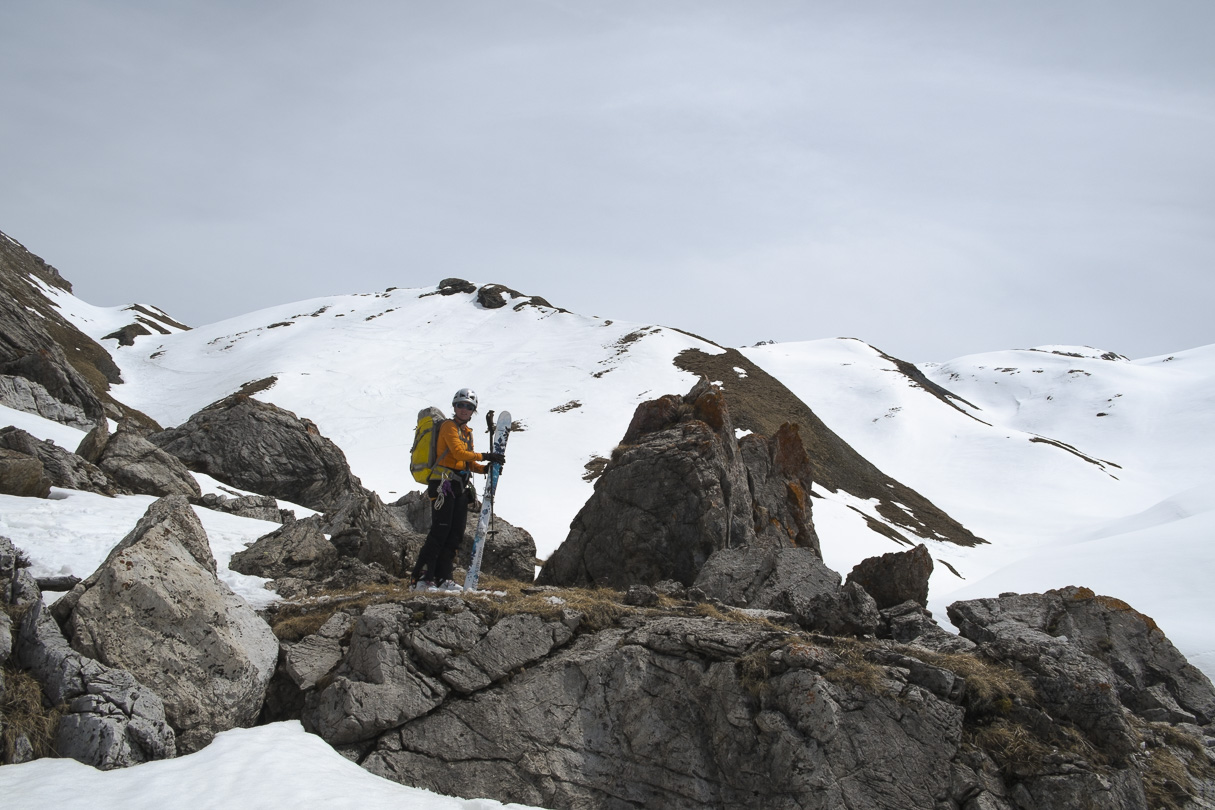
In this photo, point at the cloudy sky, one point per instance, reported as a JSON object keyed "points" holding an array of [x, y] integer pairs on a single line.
{"points": [[936, 177]]}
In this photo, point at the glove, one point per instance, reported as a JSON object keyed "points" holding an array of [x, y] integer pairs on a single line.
{"points": [[495, 458]]}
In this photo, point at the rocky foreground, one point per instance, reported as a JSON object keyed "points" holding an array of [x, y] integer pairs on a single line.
{"points": [[661, 696]]}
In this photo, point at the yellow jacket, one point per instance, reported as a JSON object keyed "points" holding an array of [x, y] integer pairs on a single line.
{"points": [[454, 450]]}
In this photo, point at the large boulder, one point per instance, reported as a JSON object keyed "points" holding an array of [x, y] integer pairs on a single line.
{"points": [[22, 475], [789, 580], [156, 608], [298, 550], [141, 467], [63, 469], [895, 578], [679, 487], [265, 449], [1078, 644]]}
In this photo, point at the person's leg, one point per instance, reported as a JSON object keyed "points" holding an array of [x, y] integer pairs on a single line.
{"points": [[455, 538], [427, 566]]}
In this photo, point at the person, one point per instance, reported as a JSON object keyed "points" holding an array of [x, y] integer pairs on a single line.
{"points": [[450, 490]]}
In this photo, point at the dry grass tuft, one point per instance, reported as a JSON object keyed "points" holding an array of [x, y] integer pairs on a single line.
{"points": [[25, 713], [991, 689], [1012, 745], [294, 620], [854, 668]]}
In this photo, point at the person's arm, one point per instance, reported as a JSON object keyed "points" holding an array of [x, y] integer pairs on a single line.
{"points": [[449, 437]]}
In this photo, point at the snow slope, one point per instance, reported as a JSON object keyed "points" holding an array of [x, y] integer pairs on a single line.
{"points": [[362, 366], [1078, 466]]}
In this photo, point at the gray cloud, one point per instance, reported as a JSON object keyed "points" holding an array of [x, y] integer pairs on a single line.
{"points": [[937, 179]]}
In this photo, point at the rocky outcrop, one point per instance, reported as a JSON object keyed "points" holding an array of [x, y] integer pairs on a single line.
{"points": [[140, 467], [62, 468], [25, 395], [1091, 655], [156, 608], [560, 699], [265, 449], [39, 345], [895, 578], [679, 487]]}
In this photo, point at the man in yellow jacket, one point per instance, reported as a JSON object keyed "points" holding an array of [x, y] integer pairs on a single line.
{"points": [[450, 490]]}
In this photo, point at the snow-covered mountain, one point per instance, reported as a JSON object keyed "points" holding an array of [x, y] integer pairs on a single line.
{"points": [[1079, 466], [1076, 466]]}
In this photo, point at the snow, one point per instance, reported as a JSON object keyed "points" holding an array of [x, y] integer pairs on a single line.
{"points": [[1128, 510], [272, 767]]}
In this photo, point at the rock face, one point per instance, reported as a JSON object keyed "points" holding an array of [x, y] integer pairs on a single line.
{"points": [[264, 449], [678, 488], [112, 719], [895, 578], [547, 704], [155, 608], [139, 466], [42, 347]]}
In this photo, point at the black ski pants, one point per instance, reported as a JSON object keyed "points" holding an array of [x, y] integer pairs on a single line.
{"points": [[437, 557]]}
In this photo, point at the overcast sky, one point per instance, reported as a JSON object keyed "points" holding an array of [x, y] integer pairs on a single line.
{"points": [[935, 178]]}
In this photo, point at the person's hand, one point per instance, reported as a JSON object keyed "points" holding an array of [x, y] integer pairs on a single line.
{"points": [[495, 458]]}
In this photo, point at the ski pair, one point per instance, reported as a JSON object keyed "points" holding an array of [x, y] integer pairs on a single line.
{"points": [[498, 445]]}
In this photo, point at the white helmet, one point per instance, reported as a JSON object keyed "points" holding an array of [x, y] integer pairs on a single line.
{"points": [[466, 395]]}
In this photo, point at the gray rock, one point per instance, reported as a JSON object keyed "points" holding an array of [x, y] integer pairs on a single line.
{"points": [[156, 608], [258, 507], [297, 550], [265, 449], [361, 526], [789, 580], [142, 468], [513, 642], [63, 469], [6, 640], [678, 488], [377, 686], [94, 442], [312, 659], [911, 623], [25, 395], [111, 720], [658, 717], [1071, 685], [895, 578], [22, 475]]}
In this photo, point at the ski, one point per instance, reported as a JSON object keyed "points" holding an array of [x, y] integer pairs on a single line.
{"points": [[501, 432]]}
